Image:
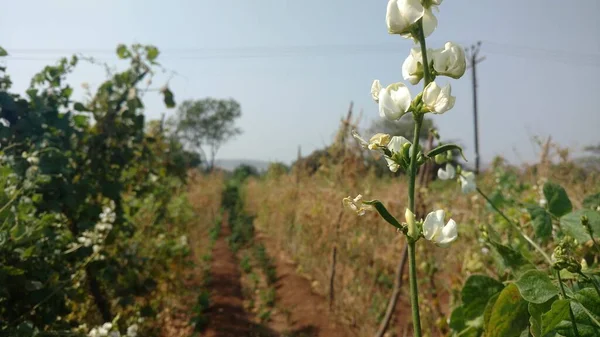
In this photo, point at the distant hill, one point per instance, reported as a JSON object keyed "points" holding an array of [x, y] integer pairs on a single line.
{"points": [[231, 164]]}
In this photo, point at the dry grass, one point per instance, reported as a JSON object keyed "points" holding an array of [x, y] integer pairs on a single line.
{"points": [[301, 213]]}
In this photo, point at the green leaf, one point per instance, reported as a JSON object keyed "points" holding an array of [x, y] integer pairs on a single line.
{"points": [[168, 98], [123, 52], [536, 287], [384, 213], [571, 224], [541, 221], [509, 315], [592, 201], [558, 313], [445, 148], [476, 293], [17, 231], [79, 107], [12, 271], [558, 200], [512, 259], [151, 53], [3, 52], [81, 121], [457, 319], [535, 319], [585, 303], [487, 313]]}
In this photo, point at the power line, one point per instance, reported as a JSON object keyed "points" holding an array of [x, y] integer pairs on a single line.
{"points": [[566, 57]]}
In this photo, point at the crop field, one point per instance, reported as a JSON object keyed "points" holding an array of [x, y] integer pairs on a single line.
{"points": [[126, 211]]}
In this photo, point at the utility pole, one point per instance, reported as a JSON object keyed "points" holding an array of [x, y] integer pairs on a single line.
{"points": [[472, 55]]}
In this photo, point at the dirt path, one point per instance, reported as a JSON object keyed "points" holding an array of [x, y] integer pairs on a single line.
{"points": [[227, 317], [307, 313]]}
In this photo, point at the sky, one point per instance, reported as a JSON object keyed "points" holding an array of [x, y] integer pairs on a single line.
{"points": [[294, 66]]}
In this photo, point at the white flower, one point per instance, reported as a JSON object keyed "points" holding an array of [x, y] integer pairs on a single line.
{"points": [[396, 146], [132, 330], [467, 182], [107, 326], [114, 334], [4, 122], [102, 332], [403, 14], [93, 333], [96, 248], [412, 68], [434, 229], [448, 173], [378, 141], [449, 61], [394, 101], [375, 89], [438, 100], [356, 205]]}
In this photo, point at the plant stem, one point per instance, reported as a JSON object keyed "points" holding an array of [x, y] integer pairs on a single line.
{"points": [[525, 236], [412, 176], [414, 292], [562, 290]]}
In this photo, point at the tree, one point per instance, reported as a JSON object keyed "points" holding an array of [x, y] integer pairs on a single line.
{"points": [[207, 123]]}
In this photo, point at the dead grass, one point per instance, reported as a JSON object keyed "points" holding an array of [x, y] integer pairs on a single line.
{"points": [[300, 214]]}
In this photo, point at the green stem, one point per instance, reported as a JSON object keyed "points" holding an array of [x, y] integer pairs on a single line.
{"points": [[412, 176], [516, 227], [562, 290], [414, 292]]}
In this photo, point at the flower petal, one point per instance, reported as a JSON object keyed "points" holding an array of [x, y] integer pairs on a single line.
{"points": [[375, 89], [449, 233], [433, 224], [429, 22]]}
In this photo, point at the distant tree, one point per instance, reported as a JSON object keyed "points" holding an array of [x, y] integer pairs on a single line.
{"points": [[207, 124]]}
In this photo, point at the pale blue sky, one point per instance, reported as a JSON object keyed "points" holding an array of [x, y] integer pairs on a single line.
{"points": [[539, 78]]}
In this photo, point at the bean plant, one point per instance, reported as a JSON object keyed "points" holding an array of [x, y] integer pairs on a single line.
{"points": [[557, 294]]}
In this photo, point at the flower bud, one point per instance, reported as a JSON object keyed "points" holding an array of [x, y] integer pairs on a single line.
{"points": [[410, 221], [440, 159]]}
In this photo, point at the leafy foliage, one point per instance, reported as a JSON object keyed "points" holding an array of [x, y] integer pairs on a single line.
{"points": [[536, 302], [85, 196]]}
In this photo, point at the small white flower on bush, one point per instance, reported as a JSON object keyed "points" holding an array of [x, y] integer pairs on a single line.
{"points": [[394, 100], [434, 229], [446, 173], [356, 205], [449, 61], [438, 99], [467, 181], [132, 330]]}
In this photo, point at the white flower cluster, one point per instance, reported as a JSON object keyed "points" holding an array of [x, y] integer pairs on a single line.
{"points": [[94, 238], [395, 100], [111, 330], [32, 158]]}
